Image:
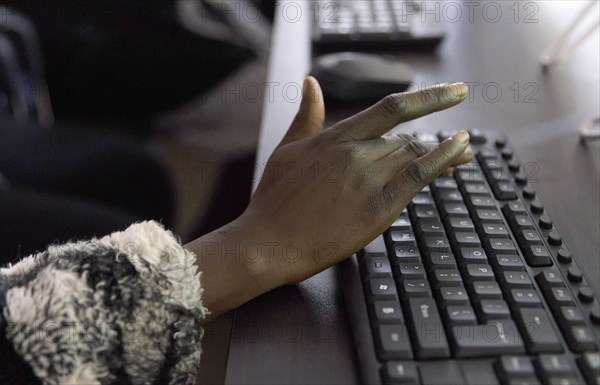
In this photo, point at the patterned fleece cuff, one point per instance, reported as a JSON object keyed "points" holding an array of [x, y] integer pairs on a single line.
{"points": [[122, 309]]}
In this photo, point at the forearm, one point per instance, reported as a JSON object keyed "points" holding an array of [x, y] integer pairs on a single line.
{"points": [[234, 265]]}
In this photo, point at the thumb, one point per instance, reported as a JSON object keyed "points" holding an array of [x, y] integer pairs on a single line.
{"points": [[309, 119]]}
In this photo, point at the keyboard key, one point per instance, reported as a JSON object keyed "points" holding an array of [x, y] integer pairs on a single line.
{"points": [[537, 255], [415, 288], [514, 208], [548, 279], [387, 312], [400, 373], [392, 342], [488, 215], [429, 338], [486, 290], [472, 255], [524, 297], [504, 191], [508, 262], [413, 270], [460, 224], [521, 222], [439, 244], [558, 296], [556, 370], [450, 196], [480, 202], [515, 368], [376, 267], [453, 296], [537, 331], [551, 364], [455, 209], [401, 236], [475, 188], [405, 254], [469, 176], [477, 136], [443, 184], [437, 260], [465, 239], [493, 230], [589, 364], [423, 199], [570, 316], [486, 153], [381, 289], [402, 221], [529, 237], [430, 227], [479, 272], [440, 372], [421, 212], [507, 153], [571, 379], [516, 279], [490, 309], [581, 339], [496, 246], [461, 315], [447, 277], [491, 339]]}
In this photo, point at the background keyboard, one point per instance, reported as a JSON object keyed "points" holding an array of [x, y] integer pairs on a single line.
{"points": [[368, 25], [473, 284]]}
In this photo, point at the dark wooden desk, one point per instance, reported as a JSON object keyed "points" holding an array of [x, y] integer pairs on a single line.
{"points": [[300, 334]]}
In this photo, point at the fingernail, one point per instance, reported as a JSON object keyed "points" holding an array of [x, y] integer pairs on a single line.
{"points": [[305, 86], [469, 151], [449, 171], [462, 137], [457, 91]]}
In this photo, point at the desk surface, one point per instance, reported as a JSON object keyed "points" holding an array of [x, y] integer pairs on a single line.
{"points": [[300, 334]]}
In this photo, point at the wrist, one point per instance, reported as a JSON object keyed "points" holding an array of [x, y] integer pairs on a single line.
{"points": [[259, 247]]}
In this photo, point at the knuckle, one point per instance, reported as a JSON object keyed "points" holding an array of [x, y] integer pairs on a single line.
{"points": [[444, 155], [395, 104], [331, 136], [416, 172], [405, 137], [349, 152], [416, 148]]}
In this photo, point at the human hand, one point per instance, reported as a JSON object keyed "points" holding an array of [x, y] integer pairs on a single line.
{"points": [[325, 194]]}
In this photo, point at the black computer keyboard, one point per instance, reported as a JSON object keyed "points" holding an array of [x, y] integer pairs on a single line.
{"points": [[473, 284], [368, 25]]}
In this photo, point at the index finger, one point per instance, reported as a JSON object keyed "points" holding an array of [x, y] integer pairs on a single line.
{"points": [[398, 108]]}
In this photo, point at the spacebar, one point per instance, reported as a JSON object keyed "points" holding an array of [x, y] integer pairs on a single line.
{"points": [[491, 339]]}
